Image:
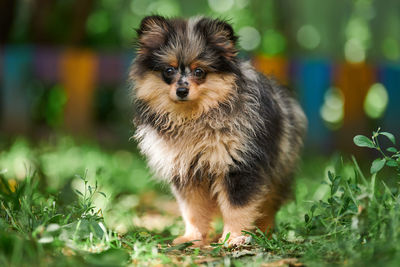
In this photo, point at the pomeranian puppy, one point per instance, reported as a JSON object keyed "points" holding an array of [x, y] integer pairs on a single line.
{"points": [[223, 135]]}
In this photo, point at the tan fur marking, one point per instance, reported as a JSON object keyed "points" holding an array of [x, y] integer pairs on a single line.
{"points": [[174, 63], [194, 65], [200, 64]]}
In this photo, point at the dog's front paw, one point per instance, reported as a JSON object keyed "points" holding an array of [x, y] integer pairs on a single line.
{"points": [[197, 242], [239, 241], [236, 240]]}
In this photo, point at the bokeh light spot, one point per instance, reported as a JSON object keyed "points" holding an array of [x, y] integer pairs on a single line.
{"points": [[273, 42], [308, 37], [249, 38], [221, 5], [357, 28], [332, 110], [354, 51], [376, 101]]}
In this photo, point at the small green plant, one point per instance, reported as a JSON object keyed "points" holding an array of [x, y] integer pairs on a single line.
{"points": [[217, 247], [392, 159], [85, 205], [332, 216]]}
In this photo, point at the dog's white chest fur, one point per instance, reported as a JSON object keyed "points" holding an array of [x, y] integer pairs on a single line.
{"points": [[211, 152]]}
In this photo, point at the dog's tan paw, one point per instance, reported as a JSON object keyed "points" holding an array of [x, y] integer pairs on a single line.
{"points": [[237, 241], [197, 242]]}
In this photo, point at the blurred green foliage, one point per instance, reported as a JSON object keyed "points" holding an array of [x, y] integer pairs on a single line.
{"points": [[63, 159]]}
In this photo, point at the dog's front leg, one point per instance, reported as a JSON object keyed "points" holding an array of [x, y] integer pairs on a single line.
{"points": [[237, 219], [197, 209], [239, 205]]}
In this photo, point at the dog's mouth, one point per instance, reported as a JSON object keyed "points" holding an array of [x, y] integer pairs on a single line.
{"points": [[181, 100], [184, 98]]}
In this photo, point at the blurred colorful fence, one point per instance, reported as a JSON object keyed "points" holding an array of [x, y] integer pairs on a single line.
{"points": [[340, 98]]}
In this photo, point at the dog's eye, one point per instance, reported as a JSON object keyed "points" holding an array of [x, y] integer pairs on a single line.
{"points": [[169, 71], [199, 72]]}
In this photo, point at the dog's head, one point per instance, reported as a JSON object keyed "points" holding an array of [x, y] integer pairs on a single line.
{"points": [[184, 66]]}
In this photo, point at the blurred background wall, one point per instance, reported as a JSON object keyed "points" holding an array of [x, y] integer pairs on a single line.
{"points": [[64, 63]]}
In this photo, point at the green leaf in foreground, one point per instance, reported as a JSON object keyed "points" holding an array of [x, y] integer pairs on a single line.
{"points": [[377, 165], [363, 141], [389, 136], [391, 163], [392, 149]]}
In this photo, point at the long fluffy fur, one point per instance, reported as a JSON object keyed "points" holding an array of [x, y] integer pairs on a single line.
{"points": [[237, 142]]}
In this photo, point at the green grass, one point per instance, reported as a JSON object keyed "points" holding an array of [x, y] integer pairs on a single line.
{"points": [[64, 203]]}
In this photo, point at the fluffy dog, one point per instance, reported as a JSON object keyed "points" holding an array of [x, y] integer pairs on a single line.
{"points": [[224, 136]]}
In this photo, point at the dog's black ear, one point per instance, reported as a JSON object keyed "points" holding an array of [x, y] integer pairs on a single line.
{"points": [[152, 32], [219, 34]]}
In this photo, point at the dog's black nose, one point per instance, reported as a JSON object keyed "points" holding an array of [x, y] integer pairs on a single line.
{"points": [[182, 92]]}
